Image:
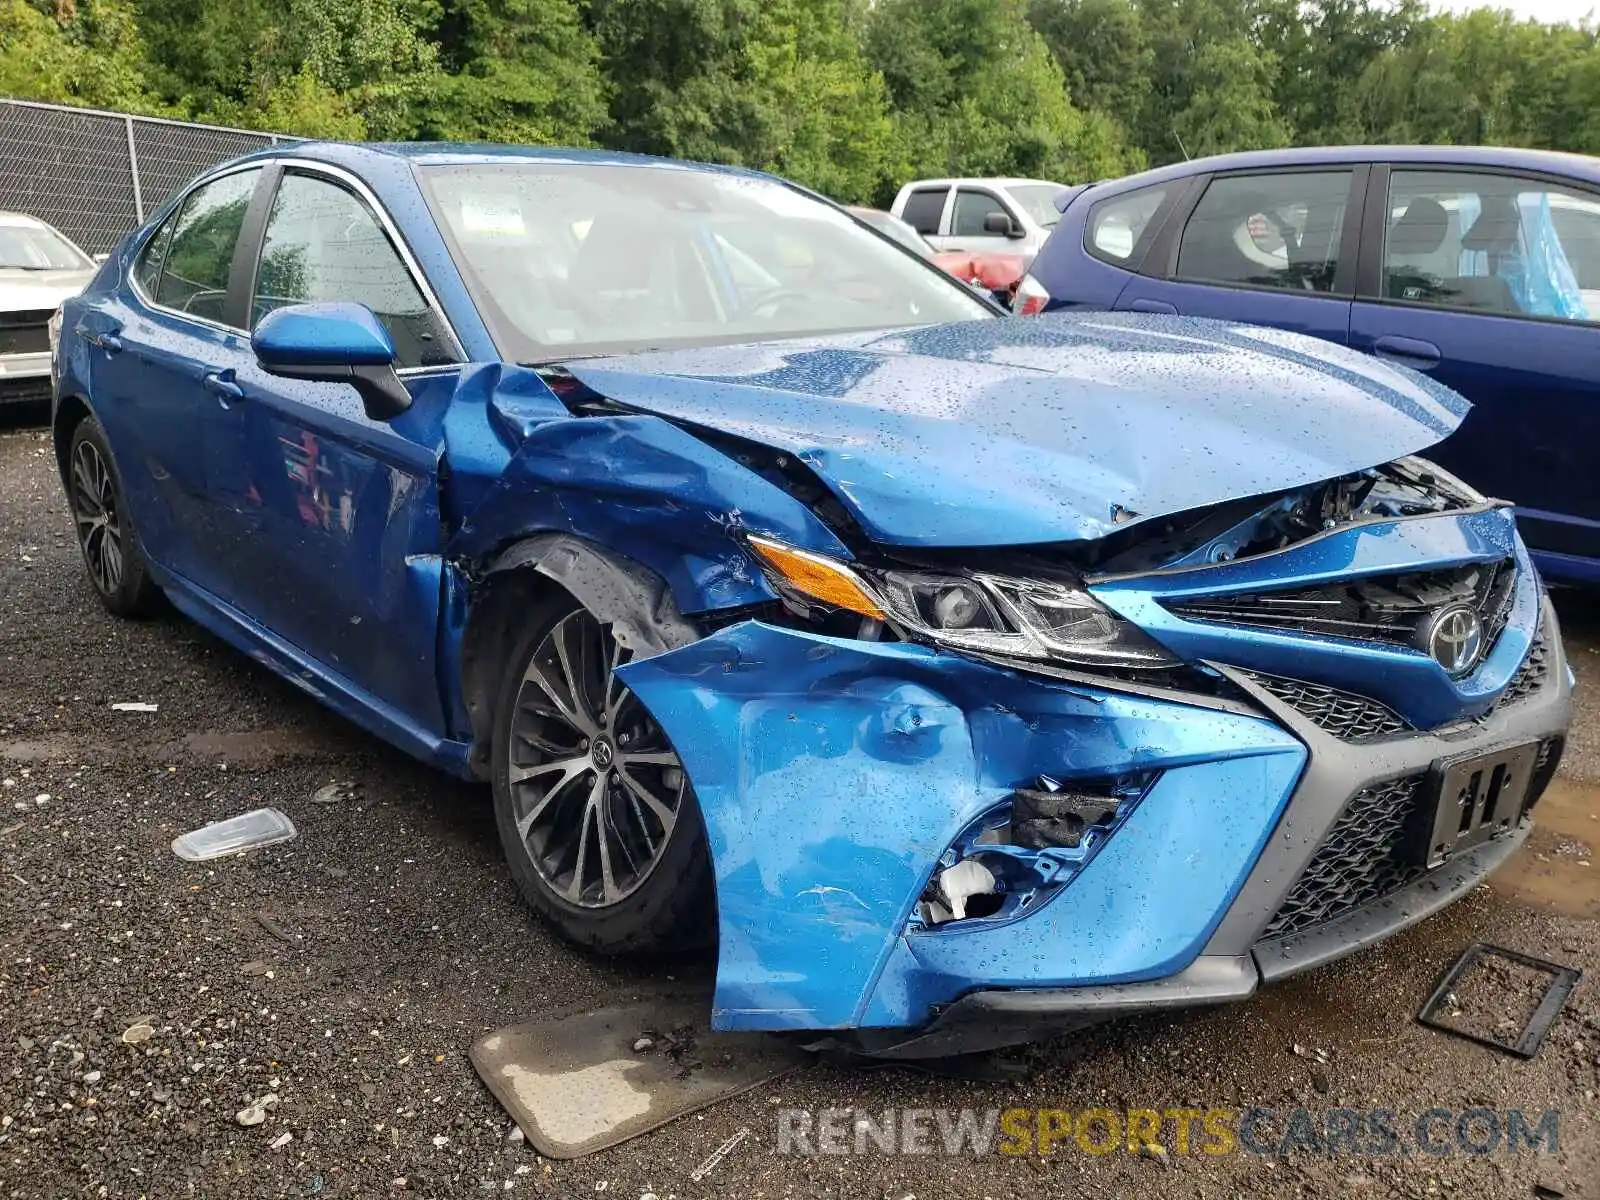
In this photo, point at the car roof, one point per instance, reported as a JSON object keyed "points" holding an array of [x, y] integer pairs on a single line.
{"points": [[990, 180], [1577, 166], [355, 155], [22, 219]]}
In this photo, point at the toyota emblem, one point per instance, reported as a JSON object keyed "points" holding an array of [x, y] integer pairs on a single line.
{"points": [[1455, 639]]}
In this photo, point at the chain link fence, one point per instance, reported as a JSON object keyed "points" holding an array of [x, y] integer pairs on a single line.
{"points": [[96, 175]]}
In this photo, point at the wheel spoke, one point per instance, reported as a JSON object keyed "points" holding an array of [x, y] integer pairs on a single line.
{"points": [[536, 676], [572, 677], [602, 830], [575, 885], [645, 796], [568, 768], [654, 758]]}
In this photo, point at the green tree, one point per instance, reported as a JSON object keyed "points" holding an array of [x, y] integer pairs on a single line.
{"points": [[975, 90], [1230, 102], [88, 54], [514, 71]]}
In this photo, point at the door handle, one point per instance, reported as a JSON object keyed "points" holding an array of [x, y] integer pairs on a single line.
{"points": [[222, 385], [1409, 352], [1153, 306], [107, 341]]}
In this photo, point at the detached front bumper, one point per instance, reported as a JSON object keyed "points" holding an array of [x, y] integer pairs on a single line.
{"points": [[833, 774]]}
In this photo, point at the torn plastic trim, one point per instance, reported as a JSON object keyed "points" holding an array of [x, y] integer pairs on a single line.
{"points": [[1025, 849], [636, 603]]}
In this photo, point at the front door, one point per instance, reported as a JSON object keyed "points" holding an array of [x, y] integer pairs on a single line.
{"points": [[337, 516], [1490, 283], [1269, 248]]}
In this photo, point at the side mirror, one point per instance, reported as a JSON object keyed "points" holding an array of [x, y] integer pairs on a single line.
{"points": [[1004, 224], [100, 258], [334, 343]]}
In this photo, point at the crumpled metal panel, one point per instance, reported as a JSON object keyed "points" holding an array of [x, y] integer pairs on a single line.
{"points": [[832, 774], [638, 485], [1408, 681], [993, 433]]}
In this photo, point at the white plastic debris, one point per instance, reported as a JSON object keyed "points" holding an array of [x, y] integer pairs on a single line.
{"points": [[248, 831], [282, 1140], [967, 878], [143, 706]]}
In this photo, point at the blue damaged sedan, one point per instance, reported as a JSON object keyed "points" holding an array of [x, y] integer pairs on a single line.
{"points": [[960, 678]]}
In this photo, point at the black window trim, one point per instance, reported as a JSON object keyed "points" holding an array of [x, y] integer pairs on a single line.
{"points": [[173, 213], [1165, 265], [247, 251], [1375, 232]]}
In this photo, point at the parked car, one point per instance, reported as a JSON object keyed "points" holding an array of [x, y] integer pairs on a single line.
{"points": [[1007, 215], [997, 274], [1477, 265], [960, 678], [39, 268]]}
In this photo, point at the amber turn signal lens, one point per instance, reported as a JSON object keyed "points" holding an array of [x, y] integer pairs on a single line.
{"points": [[818, 577]]}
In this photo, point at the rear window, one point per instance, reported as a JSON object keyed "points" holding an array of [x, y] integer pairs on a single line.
{"points": [[1116, 225], [923, 209]]}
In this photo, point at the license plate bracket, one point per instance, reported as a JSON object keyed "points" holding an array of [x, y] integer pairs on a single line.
{"points": [[1475, 797]]}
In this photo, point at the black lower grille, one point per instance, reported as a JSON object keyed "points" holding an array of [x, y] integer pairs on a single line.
{"points": [[1361, 860], [29, 390], [1343, 714], [1394, 609], [1530, 676]]}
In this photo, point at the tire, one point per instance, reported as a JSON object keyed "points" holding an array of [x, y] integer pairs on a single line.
{"points": [[106, 536], [581, 767]]}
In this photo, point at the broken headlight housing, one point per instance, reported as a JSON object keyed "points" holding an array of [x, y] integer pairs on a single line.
{"points": [[1032, 619]]}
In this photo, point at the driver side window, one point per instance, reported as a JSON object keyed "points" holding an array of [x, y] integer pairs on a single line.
{"points": [[1268, 231], [322, 243]]}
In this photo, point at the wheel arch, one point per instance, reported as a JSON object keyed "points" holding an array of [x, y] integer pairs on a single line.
{"points": [[635, 601], [70, 412]]}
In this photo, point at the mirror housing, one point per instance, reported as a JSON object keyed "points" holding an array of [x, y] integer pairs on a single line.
{"points": [[1004, 224], [333, 343]]}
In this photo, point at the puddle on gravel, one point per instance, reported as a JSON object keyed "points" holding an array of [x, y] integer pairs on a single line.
{"points": [[1549, 871]]}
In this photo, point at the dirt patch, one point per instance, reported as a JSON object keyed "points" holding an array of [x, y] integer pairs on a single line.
{"points": [[1495, 999], [1555, 869]]}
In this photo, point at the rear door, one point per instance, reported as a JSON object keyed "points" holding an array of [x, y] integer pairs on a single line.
{"points": [[1490, 282], [924, 211], [1266, 247], [162, 346], [336, 517]]}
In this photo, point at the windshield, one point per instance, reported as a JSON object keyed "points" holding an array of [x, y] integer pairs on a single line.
{"points": [[893, 227], [1038, 200], [38, 248], [569, 260]]}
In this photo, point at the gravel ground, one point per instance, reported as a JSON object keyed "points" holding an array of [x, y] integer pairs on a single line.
{"points": [[348, 971]]}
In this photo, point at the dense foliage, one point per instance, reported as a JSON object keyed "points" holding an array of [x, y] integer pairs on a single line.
{"points": [[849, 96]]}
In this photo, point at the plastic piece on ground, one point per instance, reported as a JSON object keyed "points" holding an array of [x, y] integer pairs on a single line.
{"points": [[248, 831]]}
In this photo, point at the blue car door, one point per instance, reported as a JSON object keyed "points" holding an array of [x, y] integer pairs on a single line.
{"points": [[1490, 282], [159, 345], [1269, 247], [336, 516]]}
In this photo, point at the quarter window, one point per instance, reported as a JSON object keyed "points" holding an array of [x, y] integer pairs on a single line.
{"points": [[194, 272], [1117, 224], [148, 272], [923, 209], [323, 243], [972, 210], [1271, 231], [1502, 244]]}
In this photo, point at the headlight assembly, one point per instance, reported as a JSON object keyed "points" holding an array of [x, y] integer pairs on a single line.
{"points": [[1035, 619]]}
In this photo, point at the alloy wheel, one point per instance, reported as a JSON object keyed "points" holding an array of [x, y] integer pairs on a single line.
{"points": [[94, 508], [596, 787]]}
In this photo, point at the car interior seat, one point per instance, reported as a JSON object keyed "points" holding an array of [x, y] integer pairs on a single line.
{"points": [[1416, 234], [1497, 234]]}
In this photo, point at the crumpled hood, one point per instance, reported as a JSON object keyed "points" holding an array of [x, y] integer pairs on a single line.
{"points": [[1057, 428]]}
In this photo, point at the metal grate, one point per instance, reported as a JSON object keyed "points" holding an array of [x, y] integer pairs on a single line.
{"points": [[96, 175], [1530, 675], [1343, 714], [25, 332], [1360, 861], [1394, 609]]}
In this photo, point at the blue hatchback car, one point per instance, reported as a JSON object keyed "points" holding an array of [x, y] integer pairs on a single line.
{"points": [[1478, 265], [960, 678]]}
